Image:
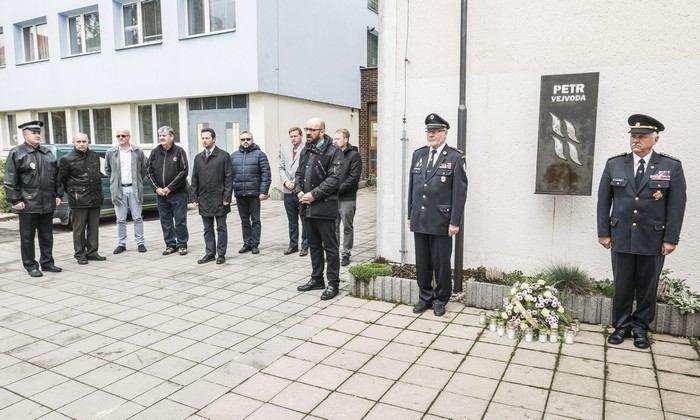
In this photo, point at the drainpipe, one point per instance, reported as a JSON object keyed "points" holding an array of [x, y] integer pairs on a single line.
{"points": [[461, 140]]}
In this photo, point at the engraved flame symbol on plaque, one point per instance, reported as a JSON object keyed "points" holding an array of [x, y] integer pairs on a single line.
{"points": [[569, 139]]}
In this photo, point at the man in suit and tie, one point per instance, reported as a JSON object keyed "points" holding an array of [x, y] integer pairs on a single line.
{"points": [[437, 191], [641, 203], [289, 162]]}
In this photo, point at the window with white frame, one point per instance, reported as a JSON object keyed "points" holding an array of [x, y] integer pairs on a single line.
{"points": [[373, 5], [54, 131], [2, 48], [35, 41], [151, 117], [97, 124], [141, 20], [12, 129], [372, 48], [204, 16], [84, 33]]}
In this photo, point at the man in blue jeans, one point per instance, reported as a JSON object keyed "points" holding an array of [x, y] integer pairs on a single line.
{"points": [[167, 169]]}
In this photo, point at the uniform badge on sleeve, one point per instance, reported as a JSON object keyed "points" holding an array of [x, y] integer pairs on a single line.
{"points": [[657, 195], [443, 179]]}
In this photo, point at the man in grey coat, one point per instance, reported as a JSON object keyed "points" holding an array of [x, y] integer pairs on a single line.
{"points": [[211, 189], [289, 162], [125, 165]]}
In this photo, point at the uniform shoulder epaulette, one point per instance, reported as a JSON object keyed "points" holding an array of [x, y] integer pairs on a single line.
{"points": [[457, 150], [669, 156], [617, 156], [421, 148]]}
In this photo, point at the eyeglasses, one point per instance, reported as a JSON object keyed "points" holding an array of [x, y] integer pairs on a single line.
{"points": [[246, 139], [122, 135], [312, 129]]}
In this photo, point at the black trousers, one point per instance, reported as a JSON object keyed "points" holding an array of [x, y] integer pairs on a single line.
{"points": [[29, 225], [321, 236], [636, 277], [433, 254], [291, 205], [249, 210], [215, 246], [85, 223]]}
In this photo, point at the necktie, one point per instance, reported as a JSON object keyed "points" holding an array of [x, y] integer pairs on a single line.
{"points": [[432, 159], [640, 174]]}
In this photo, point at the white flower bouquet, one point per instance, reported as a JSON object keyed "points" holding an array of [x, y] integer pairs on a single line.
{"points": [[534, 305]]}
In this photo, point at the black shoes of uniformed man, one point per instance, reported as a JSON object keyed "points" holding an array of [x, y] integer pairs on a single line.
{"points": [[312, 284], [34, 272], [618, 336], [345, 261], [330, 292], [641, 341], [438, 308]]}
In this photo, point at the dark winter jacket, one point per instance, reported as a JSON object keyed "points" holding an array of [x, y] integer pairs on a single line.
{"points": [[81, 178], [31, 176], [168, 168], [211, 183], [319, 173], [251, 172], [350, 178]]}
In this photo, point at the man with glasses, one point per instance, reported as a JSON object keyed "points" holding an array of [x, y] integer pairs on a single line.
{"points": [[167, 169], [251, 185], [289, 162], [437, 191], [125, 165], [316, 185], [33, 188]]}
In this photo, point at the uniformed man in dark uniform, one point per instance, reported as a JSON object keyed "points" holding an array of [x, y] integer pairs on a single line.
{"points": [[33, 188], [641, 202], [437, 191]]}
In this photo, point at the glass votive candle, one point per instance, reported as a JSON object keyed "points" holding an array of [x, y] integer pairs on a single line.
{"points": [[501, 329], [482, 318], [576, 326], [510, 330], [492, 324], [542, 336], [553, 335], [528, 335], [569, 336]]}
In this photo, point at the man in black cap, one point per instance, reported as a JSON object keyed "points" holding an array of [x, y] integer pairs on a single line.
{"points": [[33, 188], [437, 191], [641, 202]]}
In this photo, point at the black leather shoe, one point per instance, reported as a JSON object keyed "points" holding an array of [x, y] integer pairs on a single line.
{"points": [[329, 293], [206, 259], [119, 249], [439, 309], [421, 307], [641, 341], [618, 336], [254, 250], [220, 259], [304, 252], [170, 250], [82, 261], [142, 248], [52, 268], [291, 250], [312, 285], [96, 257], [244, 249], [182, 250], [34, 272], [345, 261]]}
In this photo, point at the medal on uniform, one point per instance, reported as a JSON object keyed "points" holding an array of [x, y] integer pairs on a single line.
{"points": [[420, 163], [32, 165], [443, 179], [657, 195]]}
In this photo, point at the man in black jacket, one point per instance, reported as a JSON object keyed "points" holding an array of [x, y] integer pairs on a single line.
{"points": [[32, 187], [167, 169], [316, 185], [347, 192], [211, 189], [81, 178]]}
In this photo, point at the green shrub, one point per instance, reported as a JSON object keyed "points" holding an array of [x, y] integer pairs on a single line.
{"points": [[368, 271], [567, 278], [677, 293], [604, 287], [5, 206], [372, 179]]}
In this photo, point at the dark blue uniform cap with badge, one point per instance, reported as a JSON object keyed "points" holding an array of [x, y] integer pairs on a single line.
{"points": [[31, 125], [644, 124], [433, 120]]}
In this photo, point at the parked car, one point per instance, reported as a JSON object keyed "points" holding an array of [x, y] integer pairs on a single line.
{"points": [[63, 212]]}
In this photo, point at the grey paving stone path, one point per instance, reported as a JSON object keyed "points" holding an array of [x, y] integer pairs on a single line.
{"points": [[147, 336]]}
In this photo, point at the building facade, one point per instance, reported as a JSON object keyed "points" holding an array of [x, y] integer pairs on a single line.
{"points": [[95, 66], [648, 67]]}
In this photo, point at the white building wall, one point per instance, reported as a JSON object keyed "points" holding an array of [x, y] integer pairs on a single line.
{"points": [[646, 65]]}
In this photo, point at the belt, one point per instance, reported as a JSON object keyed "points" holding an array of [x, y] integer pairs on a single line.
{"points": [[126, 185]]}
